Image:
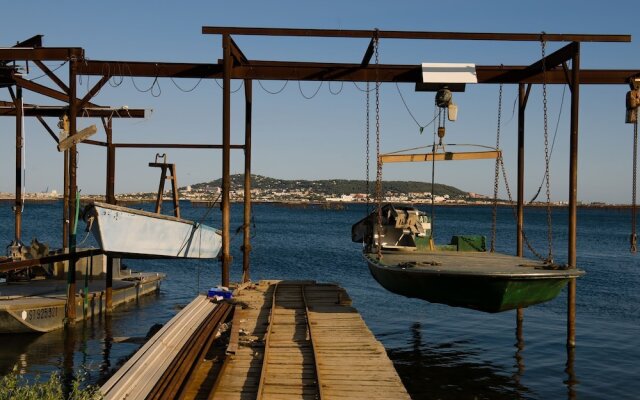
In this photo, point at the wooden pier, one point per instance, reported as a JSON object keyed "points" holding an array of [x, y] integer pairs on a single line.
{"points": [[287, 340]]}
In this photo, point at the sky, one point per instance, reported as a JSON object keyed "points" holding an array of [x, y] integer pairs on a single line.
{"points": [[298, 134]]}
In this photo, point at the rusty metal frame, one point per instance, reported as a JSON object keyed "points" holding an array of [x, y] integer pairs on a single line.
{"points": [[235, 65]]}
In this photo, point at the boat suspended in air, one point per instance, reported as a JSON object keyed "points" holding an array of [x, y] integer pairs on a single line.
{"points": [[402, 257], [131, 233]]}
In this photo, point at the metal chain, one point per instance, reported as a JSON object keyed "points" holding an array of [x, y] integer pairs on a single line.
{"points": [[546, 154], [634, 237], [367, 151], [379, 162], [494, 221], [515, 213]]}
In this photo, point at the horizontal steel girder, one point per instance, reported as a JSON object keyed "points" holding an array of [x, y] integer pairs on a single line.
{"points": [[307, 71], [349, 33]]}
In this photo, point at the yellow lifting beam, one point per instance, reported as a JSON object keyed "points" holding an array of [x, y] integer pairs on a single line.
{"points": [[444, 156]]}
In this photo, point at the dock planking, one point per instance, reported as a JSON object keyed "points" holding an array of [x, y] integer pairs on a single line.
{"points": [[308, 343]]}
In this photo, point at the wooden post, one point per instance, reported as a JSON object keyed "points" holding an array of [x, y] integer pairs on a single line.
{"points": [[246, 243], [73, 189], [573, 194], [19, 202], [226, 157]]}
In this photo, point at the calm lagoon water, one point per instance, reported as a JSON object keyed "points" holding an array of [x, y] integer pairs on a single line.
{"points": [[440, 352]]}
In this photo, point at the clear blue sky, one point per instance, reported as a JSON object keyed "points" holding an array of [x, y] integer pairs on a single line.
{"points": [[296, 138]]}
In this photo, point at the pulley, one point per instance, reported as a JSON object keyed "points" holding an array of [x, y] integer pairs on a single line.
{"points": [[441, 133], [633, 101], [443, 97]]}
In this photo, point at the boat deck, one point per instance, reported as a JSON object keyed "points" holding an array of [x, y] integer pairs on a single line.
{"points": [[479, 264]]}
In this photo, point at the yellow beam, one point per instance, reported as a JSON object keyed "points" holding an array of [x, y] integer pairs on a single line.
{"points": [[445, 156]]}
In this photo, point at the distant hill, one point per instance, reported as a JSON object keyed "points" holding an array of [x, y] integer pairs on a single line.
{"points": [[334, 187]]}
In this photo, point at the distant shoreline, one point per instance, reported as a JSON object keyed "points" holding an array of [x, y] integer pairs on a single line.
{"points": [[328, 204]]}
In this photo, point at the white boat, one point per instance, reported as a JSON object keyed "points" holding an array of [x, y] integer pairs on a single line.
{"points": [[133, 233]]}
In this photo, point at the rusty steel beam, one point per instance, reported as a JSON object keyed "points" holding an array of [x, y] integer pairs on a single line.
{"points": [[351, 33], [237, 54], [149, 69], [174, 146], [52, 76], [59, 111], [41, 89], [551, 61], [313, 71], [18, 265], [94, 90], [41, 53], [48, 129]]}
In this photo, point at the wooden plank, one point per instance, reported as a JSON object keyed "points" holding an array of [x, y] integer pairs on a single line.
{"points": [[445, 156], [72, 140]]}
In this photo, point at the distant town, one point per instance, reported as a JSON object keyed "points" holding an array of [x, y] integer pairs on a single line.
{"points": [[338, 191]]}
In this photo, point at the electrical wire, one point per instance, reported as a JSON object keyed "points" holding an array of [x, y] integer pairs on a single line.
{"points": [[232, 91], [313, 95], [339, 91], [186, 90], [277, 91], [411, 114]]}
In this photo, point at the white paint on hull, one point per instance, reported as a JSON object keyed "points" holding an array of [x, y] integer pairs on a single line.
{"points": [[126, 231]]}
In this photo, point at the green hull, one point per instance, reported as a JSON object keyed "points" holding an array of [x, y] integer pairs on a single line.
{"points": [[484, 293]]}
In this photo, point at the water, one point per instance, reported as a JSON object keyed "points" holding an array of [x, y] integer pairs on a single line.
{"points": [[440, 352]]}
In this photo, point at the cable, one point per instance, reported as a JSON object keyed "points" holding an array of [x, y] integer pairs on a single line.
{"points": [[277, 91], [411, 114], [232, 91], [339, 91], [186, 90], [313, 95], [362, 90]]}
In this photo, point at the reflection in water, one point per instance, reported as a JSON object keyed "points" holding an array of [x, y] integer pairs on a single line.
{"points": [[520, 348], [571, 380], [68, 351], [448, 371]]}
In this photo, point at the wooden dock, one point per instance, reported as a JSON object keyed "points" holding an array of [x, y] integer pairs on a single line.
{"points": [[288, 340]]}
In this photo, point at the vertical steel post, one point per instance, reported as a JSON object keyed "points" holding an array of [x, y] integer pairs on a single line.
{"points": [[73, 189], [573, 194], [226, 157], [19, 202], [111, 199], [65, 202], [522, 104], [246, 243]]}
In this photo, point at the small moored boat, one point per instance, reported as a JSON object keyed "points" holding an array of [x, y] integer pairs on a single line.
{"points": [[461, 273]]}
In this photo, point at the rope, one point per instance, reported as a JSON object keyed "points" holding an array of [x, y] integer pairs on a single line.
{"points": [[634, 237], [494, 220]]}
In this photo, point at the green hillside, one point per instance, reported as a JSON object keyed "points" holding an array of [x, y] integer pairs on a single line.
{"points": [[335, 187]]}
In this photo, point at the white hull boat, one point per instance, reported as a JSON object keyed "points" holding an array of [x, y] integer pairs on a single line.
{"points": [[140, 234]]}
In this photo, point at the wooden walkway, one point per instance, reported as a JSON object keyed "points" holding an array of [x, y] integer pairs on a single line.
{"points": [[288, 340], [304, 342]]}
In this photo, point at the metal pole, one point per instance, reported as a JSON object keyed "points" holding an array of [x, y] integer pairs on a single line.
{"points": [[226, 156], [111, 199], [573, 195], [73, 188], [522, 104], [19, 202], [246, 244], [65, 203]]}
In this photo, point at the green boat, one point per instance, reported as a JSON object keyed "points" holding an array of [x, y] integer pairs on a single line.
{"points": [[460, 274]]}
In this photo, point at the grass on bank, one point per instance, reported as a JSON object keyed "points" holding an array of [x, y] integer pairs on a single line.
{"points": [[14, 386]]}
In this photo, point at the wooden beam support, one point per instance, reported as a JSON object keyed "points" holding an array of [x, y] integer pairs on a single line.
{"points": [[94, 90], [48, 129], [446, 156]]}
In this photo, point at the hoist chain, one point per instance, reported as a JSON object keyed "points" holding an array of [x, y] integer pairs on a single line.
{"points": [[515, 213], [378, 161], [634, 237], [546, 155], [368, 135], [494, 221]]}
